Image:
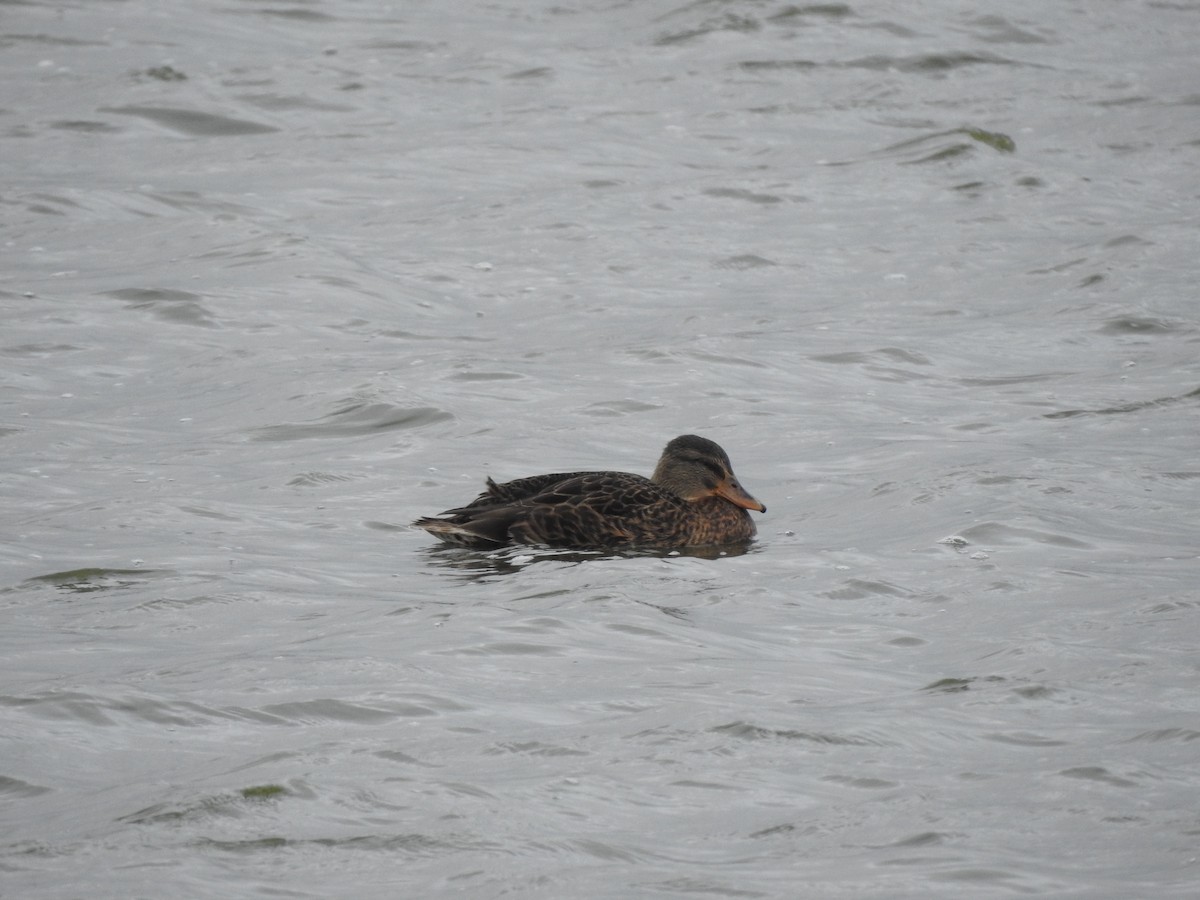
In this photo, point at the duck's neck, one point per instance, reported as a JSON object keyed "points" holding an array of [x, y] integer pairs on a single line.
{"points": [[685, 487]]}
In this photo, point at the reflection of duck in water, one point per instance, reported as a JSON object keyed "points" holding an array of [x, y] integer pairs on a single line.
{"points": [[693, 499]]}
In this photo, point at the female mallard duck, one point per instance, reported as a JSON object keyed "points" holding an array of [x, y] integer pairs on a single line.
{"points": [[693, 499]]}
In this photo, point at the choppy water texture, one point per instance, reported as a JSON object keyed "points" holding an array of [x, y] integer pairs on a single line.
{"points": [[281, 276]]}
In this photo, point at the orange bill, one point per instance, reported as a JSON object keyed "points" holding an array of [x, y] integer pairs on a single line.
{"points": [[736, 494]]}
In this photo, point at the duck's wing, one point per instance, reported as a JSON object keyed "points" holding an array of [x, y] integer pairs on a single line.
{"points": [[490, 519], [593, 509]]}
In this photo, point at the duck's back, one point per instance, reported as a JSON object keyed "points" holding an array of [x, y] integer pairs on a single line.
{"points": [[523, 488]]}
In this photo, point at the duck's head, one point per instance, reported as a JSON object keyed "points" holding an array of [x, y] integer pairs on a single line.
{"points": [[695, 467]]}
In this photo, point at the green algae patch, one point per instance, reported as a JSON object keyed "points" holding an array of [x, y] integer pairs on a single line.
{"points": [[993, 139], [264, 792], [82, 581], [164, 73]]}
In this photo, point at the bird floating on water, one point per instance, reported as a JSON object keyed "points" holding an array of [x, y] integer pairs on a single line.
{"points": [[693, 499]]}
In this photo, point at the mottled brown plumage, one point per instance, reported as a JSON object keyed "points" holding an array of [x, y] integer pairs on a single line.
{"points": [[693, 499]]}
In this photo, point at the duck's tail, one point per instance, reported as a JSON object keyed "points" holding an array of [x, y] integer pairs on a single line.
{"points": [[475, 528]]}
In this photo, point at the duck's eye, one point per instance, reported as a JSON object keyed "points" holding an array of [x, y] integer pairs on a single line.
{"points": [[713, 467]]}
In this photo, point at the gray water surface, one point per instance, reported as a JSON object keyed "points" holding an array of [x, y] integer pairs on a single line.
{"points": [[280, 277]]}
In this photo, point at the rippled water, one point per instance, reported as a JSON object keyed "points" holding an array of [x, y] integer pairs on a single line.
{"points": [[280, 277]]}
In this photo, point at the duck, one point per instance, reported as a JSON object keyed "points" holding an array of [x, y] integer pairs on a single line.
{"points": [[693, 499]]}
